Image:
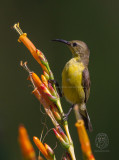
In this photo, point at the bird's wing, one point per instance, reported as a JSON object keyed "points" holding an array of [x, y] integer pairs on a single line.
{"points": [[86, 83]]}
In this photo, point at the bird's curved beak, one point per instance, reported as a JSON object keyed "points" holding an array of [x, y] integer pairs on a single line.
{"points": [[62, 41]]}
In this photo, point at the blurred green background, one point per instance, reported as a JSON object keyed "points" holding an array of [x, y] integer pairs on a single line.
{"points": [[94, 22]]}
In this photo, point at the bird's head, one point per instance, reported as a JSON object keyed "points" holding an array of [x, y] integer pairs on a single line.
{"points": [[78, 49]]}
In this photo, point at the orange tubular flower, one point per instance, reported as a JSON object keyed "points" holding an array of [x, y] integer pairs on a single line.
{"points": [[41, 147], [23, 38], [25, 144], [44, 91], [36, 79], [26, 41], [84, 140], [37, 54]]}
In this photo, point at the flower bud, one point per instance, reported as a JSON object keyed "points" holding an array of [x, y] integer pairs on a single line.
{"points": [[56, 113], [62, 141], [61, 132], [52, 91], [41, 147], [50, 151], [46, 75], [44, 80]]}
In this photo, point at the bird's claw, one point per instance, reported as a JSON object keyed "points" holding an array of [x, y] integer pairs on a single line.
{"points": [[65, 117]]}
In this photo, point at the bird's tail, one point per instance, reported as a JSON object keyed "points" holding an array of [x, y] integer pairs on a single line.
{"points": [[84, 114]]}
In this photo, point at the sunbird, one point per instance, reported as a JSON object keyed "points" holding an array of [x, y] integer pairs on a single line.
{"points": [[76, 78]]}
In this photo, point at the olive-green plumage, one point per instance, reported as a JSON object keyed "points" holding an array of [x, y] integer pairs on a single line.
{"points": [[76, 79]]}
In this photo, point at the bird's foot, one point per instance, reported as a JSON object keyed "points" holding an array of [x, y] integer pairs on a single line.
{"points": [[65, 116]]}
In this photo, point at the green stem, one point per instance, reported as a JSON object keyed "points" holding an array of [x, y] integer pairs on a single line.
{"points": [[71, 148], [67, 132], [71, 152], [58, 103]]}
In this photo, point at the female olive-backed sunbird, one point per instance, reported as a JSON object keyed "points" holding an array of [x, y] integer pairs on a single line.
{"points": [[76, 78]]}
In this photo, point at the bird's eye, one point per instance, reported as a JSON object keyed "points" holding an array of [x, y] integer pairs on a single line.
{"points": [[74, 44]]}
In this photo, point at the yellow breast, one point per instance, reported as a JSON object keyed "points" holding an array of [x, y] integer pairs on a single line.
{"points": [[72, 81]]}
